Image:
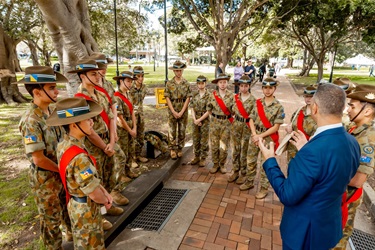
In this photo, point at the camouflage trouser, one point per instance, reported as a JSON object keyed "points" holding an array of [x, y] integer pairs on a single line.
{"points": [[72, 88], [120, 165], [220, 140], [252, 160], [48, 193], [291, 151], [177, 131], [126, 143], [87, 225], [200, 138], [159, 144], [348, 230], [140, 140], [241, 134]]}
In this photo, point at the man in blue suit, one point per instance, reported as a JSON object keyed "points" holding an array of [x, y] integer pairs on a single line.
{"points": [[317, 176]]}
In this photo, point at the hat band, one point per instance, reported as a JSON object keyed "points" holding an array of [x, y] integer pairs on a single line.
{"points": [[344, 87], [137, 72], [178, 66], [126, 75], [244, 81], [201, 80], [39, 78], [222, 77], [101, 61], [66, 113], [268, 83], [309, 92], [86, 66]]}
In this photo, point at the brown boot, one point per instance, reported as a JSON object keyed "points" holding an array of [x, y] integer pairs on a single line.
{"points": [[106, 225], [142, 159], [131, 174], [194, 161], [233, 177], [125, 179], [247, 185], [179, 153], [223, 169], [202, 162], [214, 169], [119, 199], [262, 193], [241, 179], [116, 211], [173, 155]]}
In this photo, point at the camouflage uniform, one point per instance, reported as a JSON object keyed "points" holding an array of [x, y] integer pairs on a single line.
{"points": [[82, 179], [275, 115], [220, 128], [125, 141], [309, 126], [136, 97], [177, 93], [241, 134], [49, 194], [365, 136], [159, 144], [200, 133]]}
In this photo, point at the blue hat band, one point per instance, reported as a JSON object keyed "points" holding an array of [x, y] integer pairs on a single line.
{"points": [[37, 78], [244, 81], [268, 83], [101, 61], [178, 66], [126, 75], [73, 112], [201, 80], [344, 87], [309, 92], [138, 72], [86, 66]]}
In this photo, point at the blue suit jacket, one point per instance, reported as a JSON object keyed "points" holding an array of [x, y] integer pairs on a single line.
{"points": [[317, 178]]}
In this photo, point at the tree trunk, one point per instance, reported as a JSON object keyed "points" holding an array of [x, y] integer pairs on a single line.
{"points": [[320, 63], [34, 52], [289, 63], [9, 93], [69, 24]]}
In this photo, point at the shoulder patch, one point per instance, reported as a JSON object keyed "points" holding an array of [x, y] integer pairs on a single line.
{"points": [[30, 139], [85, 174], [368, 149], [365, 159]]}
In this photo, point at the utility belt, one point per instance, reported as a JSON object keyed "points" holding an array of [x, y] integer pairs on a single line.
{"points": [[180, 100], [221, 117], [38, 168], [241, 119], [80, 199], [260, 128], [104, 135]]}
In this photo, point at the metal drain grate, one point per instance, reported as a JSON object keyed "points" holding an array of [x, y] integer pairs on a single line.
{"points": [[154, 216], [362, 241]]}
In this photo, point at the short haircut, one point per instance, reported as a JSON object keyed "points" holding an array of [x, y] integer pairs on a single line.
{"points": [[31, 87], [330, 99], [371, 106]]}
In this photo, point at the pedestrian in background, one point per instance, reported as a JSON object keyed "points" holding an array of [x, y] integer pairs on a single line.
{"points": [[238, 72]]}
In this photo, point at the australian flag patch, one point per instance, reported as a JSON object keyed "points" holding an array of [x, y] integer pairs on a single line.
{"points": [[365, 159], [85, 174]]}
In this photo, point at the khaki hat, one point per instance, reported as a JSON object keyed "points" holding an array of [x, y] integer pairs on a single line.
{"points": [[244, 79], [101, 60], [201, 78], [85, 65], [41, 75], [308, 91], [344, 83], [269, 81], [125, 74], [221, 76], [363, 93], [177, 65], [72, 110], [138, 70]]}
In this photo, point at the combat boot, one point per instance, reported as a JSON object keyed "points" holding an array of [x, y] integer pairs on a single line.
{"points": [[215, 168], [142, 159], [247, 185], [233, 177], [106, 225], [125, 179], [179, 153], [241, 179], [262, 193], [223, 169], [119, 199], [202, 162], [173, 155], [116, 211], [194, 161], [131, 174]]}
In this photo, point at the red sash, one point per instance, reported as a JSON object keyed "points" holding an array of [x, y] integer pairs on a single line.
{"points": [[126, 100], [266, 123], [103, 114], [345, 203], [98, 88], [223, 107], [66, 158], [301, 116], [242, 109]]}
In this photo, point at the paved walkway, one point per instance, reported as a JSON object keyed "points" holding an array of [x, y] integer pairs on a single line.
{"points": [[229, 218]]}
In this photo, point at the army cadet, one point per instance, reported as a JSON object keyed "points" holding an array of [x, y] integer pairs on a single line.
{"points": [[220, 107], [361, 112], [40, 142], [100, 143], [158, 140], [177, 93], [265, 120], [302, 120], [243, 106], [138, 92], [126, 120], [78, 172], [201, 124], [348, 86]]}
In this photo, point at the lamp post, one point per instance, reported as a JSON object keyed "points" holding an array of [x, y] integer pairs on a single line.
{"points": [[114, 7], [165, 41], [333, 64]]}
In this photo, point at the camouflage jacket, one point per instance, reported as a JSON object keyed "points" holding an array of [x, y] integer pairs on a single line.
{"points": [[81, 176], [107, 85], [274, 113], [309, 125], [248, 105], [36, 135], [214, 106], [137, 96], [177, 91], [198, 103], [123, 109]]}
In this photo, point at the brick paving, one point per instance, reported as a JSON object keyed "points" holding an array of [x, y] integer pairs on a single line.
{"points": [[232, 219]]}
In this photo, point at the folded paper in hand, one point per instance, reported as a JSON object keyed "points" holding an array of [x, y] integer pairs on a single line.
{"points": [[284, 144]]}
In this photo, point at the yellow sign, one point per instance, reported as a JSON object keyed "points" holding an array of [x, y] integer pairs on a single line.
{"points": [[160, 99]]}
